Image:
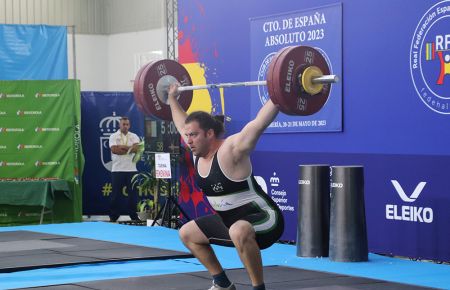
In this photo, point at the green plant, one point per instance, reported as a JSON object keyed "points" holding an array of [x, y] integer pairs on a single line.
{"points": [[145, 205], [146, 183]]}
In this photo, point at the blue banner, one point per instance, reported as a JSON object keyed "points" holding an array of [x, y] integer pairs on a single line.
{"points": [[404, 198], [33, 52], [320, 28], [397, 104], [100, 114], [276, 174]]}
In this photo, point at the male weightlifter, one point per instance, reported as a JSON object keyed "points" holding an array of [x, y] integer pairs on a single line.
{"points": [[247, 218]]}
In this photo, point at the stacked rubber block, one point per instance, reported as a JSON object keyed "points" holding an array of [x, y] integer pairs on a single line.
{"points": [[331, 213]]}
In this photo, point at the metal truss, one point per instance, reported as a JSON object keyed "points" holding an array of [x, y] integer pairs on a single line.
{"points": [[172, 29]]}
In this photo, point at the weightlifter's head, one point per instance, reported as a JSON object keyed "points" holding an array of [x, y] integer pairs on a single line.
{"points": [[201, 130]]}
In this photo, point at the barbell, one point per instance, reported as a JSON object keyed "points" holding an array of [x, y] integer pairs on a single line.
{"points": [[298, 80]]}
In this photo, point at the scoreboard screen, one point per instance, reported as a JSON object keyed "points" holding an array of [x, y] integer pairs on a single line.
{"points": [[161, 136]]}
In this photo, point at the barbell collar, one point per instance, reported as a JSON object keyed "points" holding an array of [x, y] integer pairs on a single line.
{"points": [[325, 79]]}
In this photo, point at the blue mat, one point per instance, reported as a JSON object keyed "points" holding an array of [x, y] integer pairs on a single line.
{"points": [[378, 267]]}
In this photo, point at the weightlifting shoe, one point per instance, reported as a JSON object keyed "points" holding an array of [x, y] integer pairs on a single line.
{"points": [[217, 287]]}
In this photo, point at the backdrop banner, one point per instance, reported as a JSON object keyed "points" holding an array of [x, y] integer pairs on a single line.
{"points": [[33, 52], [101, 113], [40, 134], [320, 28], [403, 197]]}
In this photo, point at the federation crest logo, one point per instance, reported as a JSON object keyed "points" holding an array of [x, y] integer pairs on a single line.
{"points": [[108, 126], [430, 58], [274, 180]]}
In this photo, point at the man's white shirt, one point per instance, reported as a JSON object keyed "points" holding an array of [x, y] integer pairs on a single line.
{"points": [[123, 162]]}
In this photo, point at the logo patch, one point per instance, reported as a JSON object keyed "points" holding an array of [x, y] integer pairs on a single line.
{"points": [[409, 212], [274, 180], [430, 58], [217, 187]]}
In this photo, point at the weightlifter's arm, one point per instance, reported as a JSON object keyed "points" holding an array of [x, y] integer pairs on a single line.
{"points": [[245, 141], [178, 114]]}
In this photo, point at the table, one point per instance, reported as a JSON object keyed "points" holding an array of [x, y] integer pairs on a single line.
{"points": [[33, 193]]}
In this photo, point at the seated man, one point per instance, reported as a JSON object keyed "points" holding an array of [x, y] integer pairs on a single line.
{"points": [[247, 218]]}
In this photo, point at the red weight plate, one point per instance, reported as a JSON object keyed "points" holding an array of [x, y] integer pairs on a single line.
{"points": [[138, 90], [153, 83], [288, 90], [270, 76], [142, 95], [279, 80]]}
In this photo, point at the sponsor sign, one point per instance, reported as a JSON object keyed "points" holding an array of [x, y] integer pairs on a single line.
{"points": [[162, 166]]}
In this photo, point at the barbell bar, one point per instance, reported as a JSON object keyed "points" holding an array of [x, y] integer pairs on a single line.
{"points": [[327, 79], [298, 80]]}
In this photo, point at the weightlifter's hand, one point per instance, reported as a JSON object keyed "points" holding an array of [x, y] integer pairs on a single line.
{"points": [[173, 91]]}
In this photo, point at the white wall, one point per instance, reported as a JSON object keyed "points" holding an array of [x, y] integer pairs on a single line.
{"points": [[124, 53], [133, 15], [91, 61], [111, 35], [108, 62], [89, 16]]}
